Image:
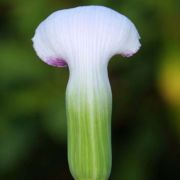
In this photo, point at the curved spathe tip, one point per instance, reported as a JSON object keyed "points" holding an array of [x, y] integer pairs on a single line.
{"points": [[72, 35]]}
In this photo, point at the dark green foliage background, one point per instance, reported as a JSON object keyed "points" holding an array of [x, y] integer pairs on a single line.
{"points": [[146, 95]]}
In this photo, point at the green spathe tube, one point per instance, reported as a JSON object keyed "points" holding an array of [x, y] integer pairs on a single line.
{"points": [[89, 124], [84, 39]]}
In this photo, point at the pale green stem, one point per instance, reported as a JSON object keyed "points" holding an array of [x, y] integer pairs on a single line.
{"points": [[88, 101]]}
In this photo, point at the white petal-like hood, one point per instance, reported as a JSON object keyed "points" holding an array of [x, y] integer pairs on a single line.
{"points": [[77, 33]]}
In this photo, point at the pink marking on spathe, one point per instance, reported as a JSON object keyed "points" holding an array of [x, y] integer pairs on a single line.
{"points": [[128, 54], [57, 62]]}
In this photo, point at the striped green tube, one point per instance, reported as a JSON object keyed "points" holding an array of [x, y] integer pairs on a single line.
{"points": [[88, 101]]}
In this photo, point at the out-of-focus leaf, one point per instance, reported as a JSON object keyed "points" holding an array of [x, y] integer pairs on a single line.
{"points": [[15, 145]]}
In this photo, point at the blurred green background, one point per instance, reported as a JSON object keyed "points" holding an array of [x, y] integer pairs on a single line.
{"points": [[146, 95]]}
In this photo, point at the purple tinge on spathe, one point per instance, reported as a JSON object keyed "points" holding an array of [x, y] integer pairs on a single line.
{"points": [[128, 54], [56, 62]]}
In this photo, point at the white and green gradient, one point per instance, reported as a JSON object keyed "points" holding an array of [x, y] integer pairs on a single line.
{"points": [[84, 39], [88, 99]]}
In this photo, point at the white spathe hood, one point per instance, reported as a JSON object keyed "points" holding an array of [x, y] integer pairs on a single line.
{"points": [[85, 33]]}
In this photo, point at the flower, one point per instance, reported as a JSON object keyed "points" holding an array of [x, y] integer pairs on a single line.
{"points": [[84, 39]]}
